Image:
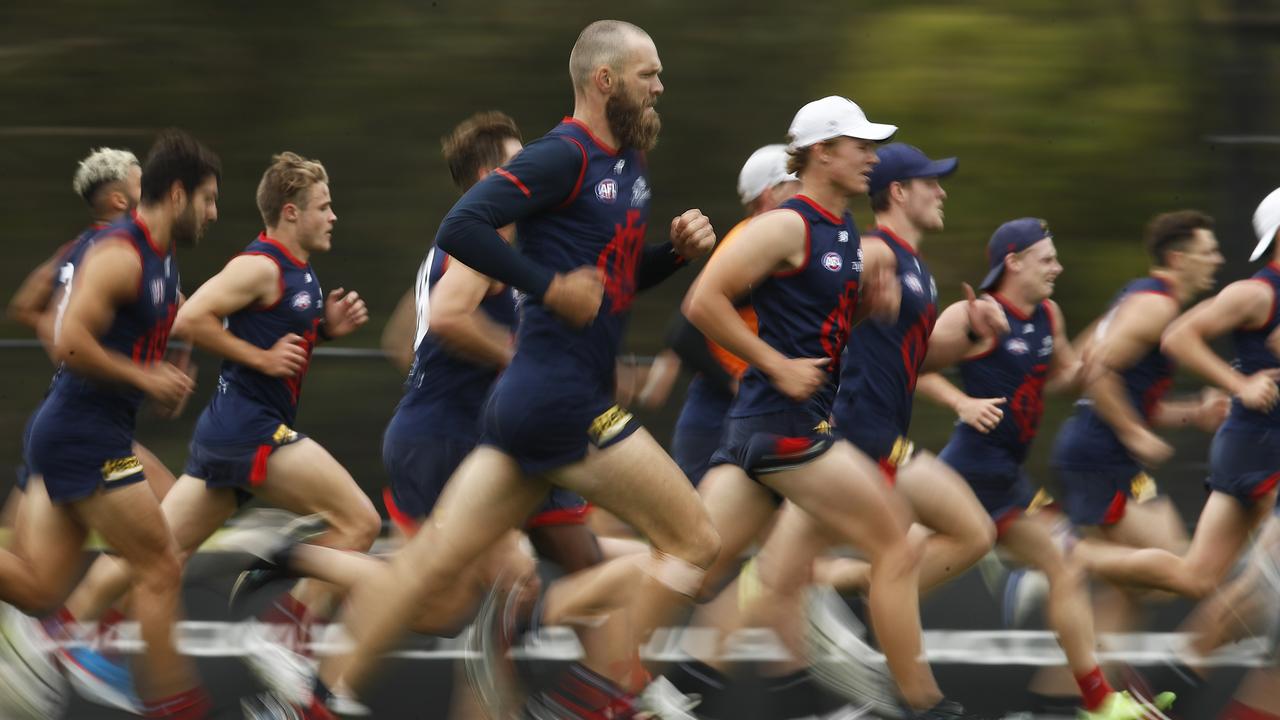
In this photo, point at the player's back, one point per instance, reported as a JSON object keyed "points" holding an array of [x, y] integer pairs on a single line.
{"points": [[443, 385]]}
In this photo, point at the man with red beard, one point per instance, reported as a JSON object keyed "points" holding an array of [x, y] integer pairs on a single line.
{"points": [[580, 198]]}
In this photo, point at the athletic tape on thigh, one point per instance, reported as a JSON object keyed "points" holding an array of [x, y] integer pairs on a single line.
{"points": [[677, 574]]}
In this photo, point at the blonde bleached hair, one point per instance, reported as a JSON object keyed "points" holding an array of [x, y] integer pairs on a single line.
{"points": [[603, 42], [102, 166], [286, 181]]}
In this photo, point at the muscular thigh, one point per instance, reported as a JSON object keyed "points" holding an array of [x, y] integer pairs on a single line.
{"points": [[1151, 524], [129, 519], [485, 499], [636, 480], [741, 510], [50, 537], [194, 511], [844, 491], [938, 496], [304, 478]]}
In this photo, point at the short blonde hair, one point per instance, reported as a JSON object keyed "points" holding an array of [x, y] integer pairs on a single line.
{"points": [[286, 181], [104, 165]]}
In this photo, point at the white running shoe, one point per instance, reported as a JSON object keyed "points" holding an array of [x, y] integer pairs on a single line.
{"points": [[31, 685], [285, 672], [840, 660], [663, 700]]}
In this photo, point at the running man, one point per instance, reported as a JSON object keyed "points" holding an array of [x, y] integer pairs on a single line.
{"points": [[802, 266], [1034, 354], [763, 185], [1244, 460], [264, 313], [878, 376], [1103, 453], [110, 335], [580, 197], [110, 182]]}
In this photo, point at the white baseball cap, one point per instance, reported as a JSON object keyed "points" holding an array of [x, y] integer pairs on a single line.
{"points": [[1266, 221], [765, 168], [832, 117]]}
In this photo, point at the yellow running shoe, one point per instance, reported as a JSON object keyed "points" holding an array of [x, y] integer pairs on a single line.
{"points": [[1123, 706]]}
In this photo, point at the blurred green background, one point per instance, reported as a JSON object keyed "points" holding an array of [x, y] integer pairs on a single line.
{"points": [[1094, 114]]}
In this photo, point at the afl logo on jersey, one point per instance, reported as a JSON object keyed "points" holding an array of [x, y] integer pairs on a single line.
{"points": [[301, 301], [1017, 346], [607, 190], [832, 261]]}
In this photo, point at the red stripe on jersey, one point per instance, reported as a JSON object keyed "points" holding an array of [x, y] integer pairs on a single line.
{"points": [[890, 470], [821, 210], [559, 517], [1265, 486], [1006, 520], [262, 236], [792, 445], [146, 233], [1115, 511], [408, 526], [258, 473], [515, 180], [582, 173], [594, 139]]}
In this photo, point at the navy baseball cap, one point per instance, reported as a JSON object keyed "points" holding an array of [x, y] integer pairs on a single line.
{"points": [[1012, 237], [900, 161]]}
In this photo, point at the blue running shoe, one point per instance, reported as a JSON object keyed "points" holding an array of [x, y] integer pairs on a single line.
{"points": [[100, 678]]}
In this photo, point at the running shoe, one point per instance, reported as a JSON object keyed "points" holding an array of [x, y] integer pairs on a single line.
{"points": [[840, 660]]}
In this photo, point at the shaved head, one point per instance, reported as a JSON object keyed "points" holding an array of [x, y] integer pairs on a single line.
{"points": [[602, 43]]}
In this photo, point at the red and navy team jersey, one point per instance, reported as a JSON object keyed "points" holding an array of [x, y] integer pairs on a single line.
{"points": [[878, 375], [1095, 444], [806, 312], [298, 310], [139, 330], [66, 259], [1016, 369], [64, 268], [597, 215], [1252, 356], [442, 384]]}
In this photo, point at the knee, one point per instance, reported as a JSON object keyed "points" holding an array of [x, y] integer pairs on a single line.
{"points": [[697, 544], [704, 546], [358, 529], [1200, 585], [160, 573], [979, 540], [900, 556]]}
